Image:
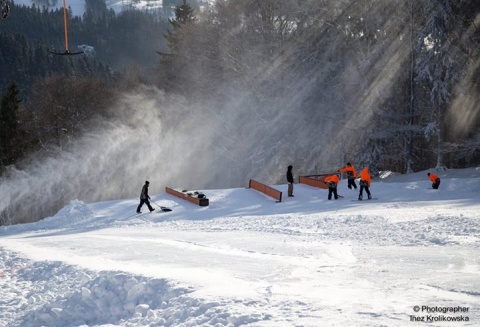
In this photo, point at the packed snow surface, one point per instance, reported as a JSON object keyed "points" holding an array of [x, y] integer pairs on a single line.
{"points": [[410, 254]]}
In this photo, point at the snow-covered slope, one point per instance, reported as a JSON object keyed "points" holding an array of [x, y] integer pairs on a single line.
{"points": [[248, 261]]}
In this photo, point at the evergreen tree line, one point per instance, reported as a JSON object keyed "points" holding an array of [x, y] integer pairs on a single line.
{"points": [[24, 62], [389, 84], [49, 99], [29, 34]]}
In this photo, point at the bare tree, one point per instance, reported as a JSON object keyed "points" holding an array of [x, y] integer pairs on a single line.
{"points": [[64, 106]]}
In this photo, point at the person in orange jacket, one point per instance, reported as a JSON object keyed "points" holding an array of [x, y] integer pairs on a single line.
{"points": [[435, 180], [351, 175], [365, 180], [332, 182]]}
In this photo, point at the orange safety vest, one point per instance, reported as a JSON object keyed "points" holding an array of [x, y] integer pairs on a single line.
{"points": [[365, 176], [332, 178], [433, 178], [350, 169]]}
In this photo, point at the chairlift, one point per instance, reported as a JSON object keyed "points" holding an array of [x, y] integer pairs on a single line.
{"points": [[66, 52]]}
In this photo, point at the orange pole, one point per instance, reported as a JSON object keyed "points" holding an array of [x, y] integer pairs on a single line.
{"points": [[65, 24]]}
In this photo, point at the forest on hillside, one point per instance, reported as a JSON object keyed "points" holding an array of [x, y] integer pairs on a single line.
{"points": [[395, 82], [29, 35], [394, 85], [57, 95]]}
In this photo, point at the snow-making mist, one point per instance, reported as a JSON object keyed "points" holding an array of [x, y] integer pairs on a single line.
{"points": [[465, 110], [150, 138], [153, 137], [171, 142], [310, 104]]}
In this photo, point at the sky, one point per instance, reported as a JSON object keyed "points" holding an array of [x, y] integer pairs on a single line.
{"points": [[78, 6], [412, 253]]}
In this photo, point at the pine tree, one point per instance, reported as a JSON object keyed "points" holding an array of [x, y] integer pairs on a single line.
{"points": [[184, 15], [439, 66], [172, 65]]}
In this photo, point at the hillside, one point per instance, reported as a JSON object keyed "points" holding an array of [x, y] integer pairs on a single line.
{"points": [[248, 261]]}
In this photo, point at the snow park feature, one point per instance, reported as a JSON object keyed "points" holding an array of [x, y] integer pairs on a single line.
{"points": [[408, 258], [265, 189], [314, 180], [195, 197]]}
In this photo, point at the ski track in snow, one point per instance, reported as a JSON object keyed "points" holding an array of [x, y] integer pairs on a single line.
{"points": [[248, 261]]}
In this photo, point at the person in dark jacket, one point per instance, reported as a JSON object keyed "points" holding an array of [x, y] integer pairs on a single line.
{"points": [[144, 198], [290, 180], [435, 180]]}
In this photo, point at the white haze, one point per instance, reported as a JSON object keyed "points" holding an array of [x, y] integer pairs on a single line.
{"points": [[171, 142], [151, 138], [158, 138]]}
